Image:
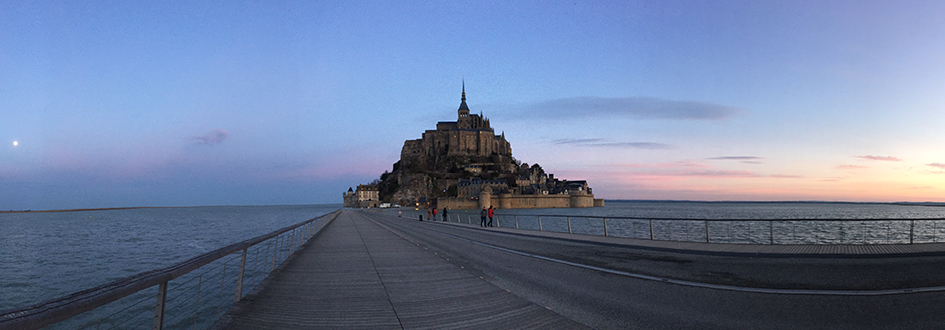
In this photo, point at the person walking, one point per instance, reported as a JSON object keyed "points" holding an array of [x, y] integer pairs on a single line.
{"points": [[434, 214], [482, 217], [445, 216], [491, 213], [428, 213]]}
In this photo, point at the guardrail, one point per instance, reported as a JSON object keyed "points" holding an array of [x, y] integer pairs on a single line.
{"points": [[743, 231], [182, 297]]}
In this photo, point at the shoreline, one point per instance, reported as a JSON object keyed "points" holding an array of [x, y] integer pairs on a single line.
{"points": [[89, 209], [146, 207]]}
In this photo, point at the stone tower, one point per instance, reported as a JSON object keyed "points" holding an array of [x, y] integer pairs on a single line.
{"points": [[463, 112]]}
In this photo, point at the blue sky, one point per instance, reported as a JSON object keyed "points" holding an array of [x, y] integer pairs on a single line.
{"points": [[115, 103]]}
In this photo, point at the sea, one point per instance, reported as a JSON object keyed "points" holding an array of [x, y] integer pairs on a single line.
{"points": [[46, 255]]}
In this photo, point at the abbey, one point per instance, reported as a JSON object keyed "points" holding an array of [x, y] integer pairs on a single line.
{"points": [[463, 164], [470, 135]]}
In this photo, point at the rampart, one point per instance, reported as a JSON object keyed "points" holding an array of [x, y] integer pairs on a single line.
{"points": [[509, 201]]}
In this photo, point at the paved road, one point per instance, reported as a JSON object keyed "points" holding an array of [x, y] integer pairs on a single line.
{"points": [[605, 300]]}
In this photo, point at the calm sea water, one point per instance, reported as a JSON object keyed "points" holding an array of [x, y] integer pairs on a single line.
{"points": [[49, 255]]}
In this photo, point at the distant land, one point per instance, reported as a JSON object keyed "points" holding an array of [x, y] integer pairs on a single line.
{"points": [[80, 210]]}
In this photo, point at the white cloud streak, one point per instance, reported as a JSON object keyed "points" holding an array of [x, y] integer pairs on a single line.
{"points": [[630, 107], [603, 143]]}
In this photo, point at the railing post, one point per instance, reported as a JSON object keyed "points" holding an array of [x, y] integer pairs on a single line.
{"points": [[707, 231], [771, 230], [159, 309], [516, 222], [497, 221], [239, 279], [605, 226], [539, 224], [569, 225], [911, 230], [651, 229]]}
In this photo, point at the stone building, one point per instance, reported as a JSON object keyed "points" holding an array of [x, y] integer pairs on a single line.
{"points": [[366, 196], [470, 135], [470, 189]]}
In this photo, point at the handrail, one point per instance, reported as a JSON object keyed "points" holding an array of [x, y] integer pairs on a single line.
{"points": [[63, 308], [708, 230], [717, 219]]}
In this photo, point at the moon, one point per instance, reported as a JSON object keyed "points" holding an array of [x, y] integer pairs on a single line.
{"points": [[15, 143]]}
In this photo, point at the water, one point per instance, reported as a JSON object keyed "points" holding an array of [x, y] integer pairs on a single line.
{"points": [[48, 255], [845, 230]]}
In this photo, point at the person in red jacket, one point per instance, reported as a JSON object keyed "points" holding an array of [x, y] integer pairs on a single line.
{"points": [[491, 214]]}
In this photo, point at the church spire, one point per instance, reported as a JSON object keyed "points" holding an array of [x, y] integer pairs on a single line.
{"points": [[463, 108]]}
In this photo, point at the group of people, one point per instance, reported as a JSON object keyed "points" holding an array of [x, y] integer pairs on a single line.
{"points": [[431, 214], [486, 212]]}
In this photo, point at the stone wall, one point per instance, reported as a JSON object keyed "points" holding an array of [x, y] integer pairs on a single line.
{"points": [[457, 203], [509, 201]]}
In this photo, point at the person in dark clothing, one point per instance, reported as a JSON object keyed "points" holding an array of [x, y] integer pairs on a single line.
{"points": [[491, 213], [445, 216], [482, 217]]}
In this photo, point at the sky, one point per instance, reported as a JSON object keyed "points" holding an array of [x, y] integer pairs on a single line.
{"points": [[184, 103]]}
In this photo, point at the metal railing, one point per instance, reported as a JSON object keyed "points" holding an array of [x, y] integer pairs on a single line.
{"points": [[744, 231], [191, 294]]}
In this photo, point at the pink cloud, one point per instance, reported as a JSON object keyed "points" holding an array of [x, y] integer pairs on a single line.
{"points": [[785, 176], [683, 163], [939, 165], [720, 174], [214, 137], [880, 158], [850, 167]]}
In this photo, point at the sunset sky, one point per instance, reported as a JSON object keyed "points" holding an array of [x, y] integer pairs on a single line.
{"points": [[162, 103]]}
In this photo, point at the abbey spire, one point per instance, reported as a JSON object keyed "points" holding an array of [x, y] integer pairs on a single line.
{"points": [[463, 108]]}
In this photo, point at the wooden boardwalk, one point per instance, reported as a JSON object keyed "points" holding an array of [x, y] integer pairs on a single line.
{"points": [[357, 274]]}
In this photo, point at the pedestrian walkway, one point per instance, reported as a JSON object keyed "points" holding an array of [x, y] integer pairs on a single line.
{"points": [[357, 274]]}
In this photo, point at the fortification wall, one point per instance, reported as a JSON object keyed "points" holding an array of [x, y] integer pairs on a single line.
{"points": [[457, 203], [508, 201]]}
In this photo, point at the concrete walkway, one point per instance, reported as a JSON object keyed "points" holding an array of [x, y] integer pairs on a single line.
{"points": [[357, 274]]}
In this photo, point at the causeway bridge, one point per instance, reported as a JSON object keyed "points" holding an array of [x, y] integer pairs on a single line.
{"points": [[372, 269]]}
